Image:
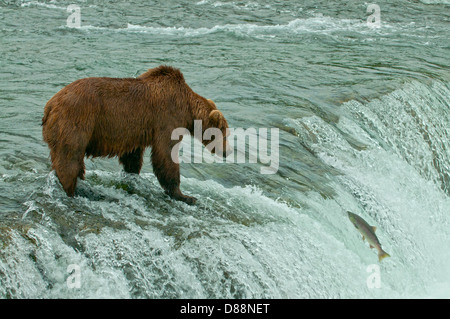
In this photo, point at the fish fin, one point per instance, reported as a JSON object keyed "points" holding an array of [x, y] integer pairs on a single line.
{"points": [[371, 246], [383, 255], [364, 238], [374, 228]]}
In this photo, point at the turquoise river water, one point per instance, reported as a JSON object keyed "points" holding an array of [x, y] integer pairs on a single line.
{"points": [[360, 99]]}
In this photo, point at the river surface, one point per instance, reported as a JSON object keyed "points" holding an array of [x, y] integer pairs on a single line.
{"points": [[360, 99]]}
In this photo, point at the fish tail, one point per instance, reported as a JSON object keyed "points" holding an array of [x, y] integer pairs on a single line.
{"points": [[383, 255]]}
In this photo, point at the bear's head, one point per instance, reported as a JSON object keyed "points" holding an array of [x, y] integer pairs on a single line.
{"points": [[217, 126]]}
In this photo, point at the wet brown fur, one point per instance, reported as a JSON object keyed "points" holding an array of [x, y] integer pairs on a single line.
{"points": [[107, 117]]}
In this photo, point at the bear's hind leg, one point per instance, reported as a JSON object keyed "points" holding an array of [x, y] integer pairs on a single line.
{"points": [[132, 162], [68, 163]]}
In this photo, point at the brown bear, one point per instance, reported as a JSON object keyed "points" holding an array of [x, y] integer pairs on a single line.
{"points": [[102, 116]]}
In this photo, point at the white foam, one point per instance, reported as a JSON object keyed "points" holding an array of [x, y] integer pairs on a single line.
{"points": [[318, 24], [252, 5], [435, 1], [42, 4]]}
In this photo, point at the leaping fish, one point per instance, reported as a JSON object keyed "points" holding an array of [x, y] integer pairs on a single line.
{"points": [[368, 232]]}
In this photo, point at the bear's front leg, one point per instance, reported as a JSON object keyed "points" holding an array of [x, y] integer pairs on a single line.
{"points": [[190, 200], [168, 173]]}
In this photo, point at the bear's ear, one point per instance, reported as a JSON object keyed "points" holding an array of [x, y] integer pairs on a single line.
{"points": [[216, 118], [211, 102]]}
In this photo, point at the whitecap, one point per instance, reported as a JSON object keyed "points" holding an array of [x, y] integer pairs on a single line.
{"points": [[41, 4]]}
